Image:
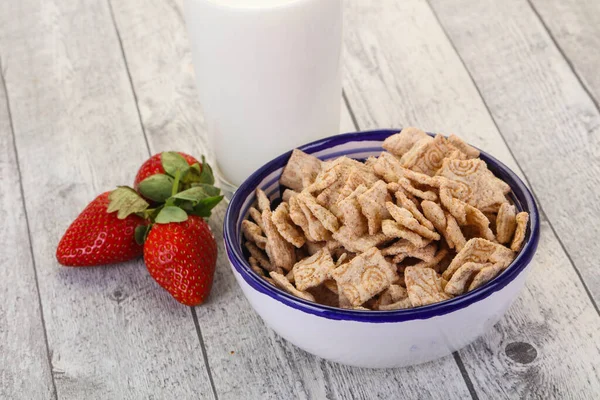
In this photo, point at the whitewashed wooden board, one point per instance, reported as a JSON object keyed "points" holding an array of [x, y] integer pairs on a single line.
{"points": [[419, 80], [20, 310], [107, 83], [262, 365], [111, 332], [575, 27], [542, 110]]}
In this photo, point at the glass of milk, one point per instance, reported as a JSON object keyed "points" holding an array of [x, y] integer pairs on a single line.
{"points": [[268, 74]]}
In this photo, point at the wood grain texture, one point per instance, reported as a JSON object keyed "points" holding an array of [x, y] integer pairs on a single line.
{"points": [[543, 112], [575, 26], [402, 71], [418, 79], [25, 368], [157, 52], [346, 122], [112, 332], [247, 359], [554, 315]]}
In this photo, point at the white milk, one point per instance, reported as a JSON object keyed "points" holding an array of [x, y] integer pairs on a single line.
{"points": [[268, 73]]}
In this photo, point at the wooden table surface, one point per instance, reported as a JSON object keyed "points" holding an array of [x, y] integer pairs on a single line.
{"points": [[89, 89]]}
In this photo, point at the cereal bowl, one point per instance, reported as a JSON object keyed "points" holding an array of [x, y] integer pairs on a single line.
{"points": [[375, 339]]}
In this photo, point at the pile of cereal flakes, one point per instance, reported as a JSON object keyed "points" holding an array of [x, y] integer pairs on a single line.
{"points": [[422, 223]]}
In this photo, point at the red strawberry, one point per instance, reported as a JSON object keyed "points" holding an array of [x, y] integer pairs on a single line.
{"points": [[181, 257], [97, 237], [153, 166]]}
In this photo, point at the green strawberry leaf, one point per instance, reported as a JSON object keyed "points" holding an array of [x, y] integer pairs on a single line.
{"points": [[206, 176], [204, 206], [198, 192], [151, 213], [156, 187], [141, 232], [201, 212], [194, 174], [188, 206], [171, 214], [170, 202], [126, 201], [172, 161]]}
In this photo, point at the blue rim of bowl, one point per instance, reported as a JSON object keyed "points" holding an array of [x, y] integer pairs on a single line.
{"points": [[236, 257]]}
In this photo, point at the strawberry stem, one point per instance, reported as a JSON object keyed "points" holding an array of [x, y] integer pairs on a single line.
{"points": [[175, 188]]}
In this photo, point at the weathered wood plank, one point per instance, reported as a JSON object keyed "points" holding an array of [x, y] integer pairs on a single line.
{"points": [[346, 122], [575, 25], [247, 359], [25, 368], [548, 345], [401, 70], [543, 112], [250, 361], [112, 332], [419, 80]]}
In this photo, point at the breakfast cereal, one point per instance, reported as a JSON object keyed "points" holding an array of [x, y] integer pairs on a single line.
{"points": [[480, 222], [400, 144], [282, 282], [426, 254], [351, 212], [372, 203], [300, 171], [470, 151], [285, 226], [317, 232], [399, 305], [453, 233], [259, 256], [426, 195], [262, 200], [522, 219], [314, 270], [323, 215], [423, 222], [405, 202], [253, 233], [436, 261], [506, 222], [365, 276], [359, 244], [424, 286], [280, 251], [480, 251], [485, 275], [395, 230], [405, 218], [428, 157], [458, 282], [288, 194], [257, 217]]}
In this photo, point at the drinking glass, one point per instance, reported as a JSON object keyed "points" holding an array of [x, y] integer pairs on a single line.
{"points": [[269, 77]]}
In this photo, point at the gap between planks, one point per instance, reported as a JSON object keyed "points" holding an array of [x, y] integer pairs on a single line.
{"points": [[135, 98], [457, 359], [89, 365], [527, 181], [30, 246], [564, 55], [457, 104], [192, 309], [282, 369]]}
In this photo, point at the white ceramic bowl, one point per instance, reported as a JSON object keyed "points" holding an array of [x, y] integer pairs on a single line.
{"points": [[375, 339]]}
